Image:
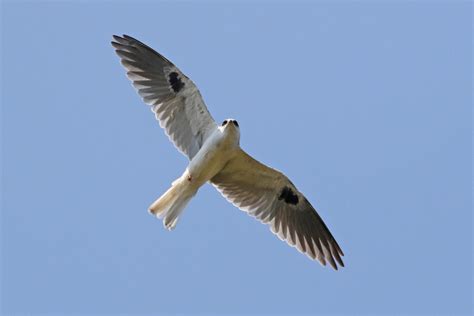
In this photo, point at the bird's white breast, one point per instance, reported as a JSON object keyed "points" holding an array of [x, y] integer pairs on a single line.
{"points": [[213, 155]]}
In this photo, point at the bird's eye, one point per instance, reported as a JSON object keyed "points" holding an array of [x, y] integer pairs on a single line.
{"points": [[224, 123], [235, 123]]}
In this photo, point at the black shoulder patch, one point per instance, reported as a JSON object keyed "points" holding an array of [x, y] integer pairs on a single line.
{"points": [[288, 196], [175, 82]]}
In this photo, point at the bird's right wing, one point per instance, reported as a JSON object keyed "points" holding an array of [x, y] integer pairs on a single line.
{"points": [[269, 195], [174, 98]]}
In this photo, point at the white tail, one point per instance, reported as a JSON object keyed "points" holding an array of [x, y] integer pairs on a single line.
{"points": [[172, 203]]}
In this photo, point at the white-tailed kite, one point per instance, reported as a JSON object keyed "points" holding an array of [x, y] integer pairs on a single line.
{"points": [[216, 157]]}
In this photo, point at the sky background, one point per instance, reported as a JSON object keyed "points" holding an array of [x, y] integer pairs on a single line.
{"points": [[367, 108]]}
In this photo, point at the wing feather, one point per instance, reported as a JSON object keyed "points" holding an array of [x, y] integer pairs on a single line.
{"points": [[269, 196], [173, 97]]}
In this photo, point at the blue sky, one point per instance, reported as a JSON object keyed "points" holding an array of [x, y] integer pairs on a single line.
{"points": [[366, 106]]}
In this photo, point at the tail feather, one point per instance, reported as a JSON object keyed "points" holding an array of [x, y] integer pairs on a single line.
{"points": [[159, 207], [172, 203], [172, 215]]}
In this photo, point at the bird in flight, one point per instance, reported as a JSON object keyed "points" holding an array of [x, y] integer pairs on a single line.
{"points": [[215, 156]]}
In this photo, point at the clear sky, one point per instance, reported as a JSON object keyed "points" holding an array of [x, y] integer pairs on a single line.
{"points": [[365, 106]]}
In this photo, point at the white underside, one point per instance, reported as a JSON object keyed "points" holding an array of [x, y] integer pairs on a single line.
{"points": [[217, 150]]}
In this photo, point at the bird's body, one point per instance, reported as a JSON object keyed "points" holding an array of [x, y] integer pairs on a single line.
{"points": [[216, 151], [215, 157], [221, 146]]}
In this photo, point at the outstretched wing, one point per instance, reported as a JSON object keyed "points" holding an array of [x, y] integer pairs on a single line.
{"points": [[174, 98], [269, 195]]}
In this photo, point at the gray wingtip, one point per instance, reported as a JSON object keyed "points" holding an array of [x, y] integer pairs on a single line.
{"points": [[124, 39]]}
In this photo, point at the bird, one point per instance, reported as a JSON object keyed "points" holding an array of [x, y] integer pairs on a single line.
{"points": [[215, 157]]}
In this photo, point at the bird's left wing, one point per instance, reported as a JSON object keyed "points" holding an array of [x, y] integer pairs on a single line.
{"points": [[174, 98], [269, 195]]}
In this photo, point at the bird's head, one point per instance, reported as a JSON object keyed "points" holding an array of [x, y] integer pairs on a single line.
{"points": [[230, 122], [231, 127]]}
